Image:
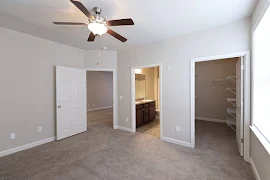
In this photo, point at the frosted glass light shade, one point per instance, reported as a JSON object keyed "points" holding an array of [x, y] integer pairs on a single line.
{"points": [[97, 28]]}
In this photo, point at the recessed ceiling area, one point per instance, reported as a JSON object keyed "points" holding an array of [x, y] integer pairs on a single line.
{"points": [[155, 20]]}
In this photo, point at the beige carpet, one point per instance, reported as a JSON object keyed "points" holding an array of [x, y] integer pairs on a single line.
{"points": [[102, 153], [99, 116]]}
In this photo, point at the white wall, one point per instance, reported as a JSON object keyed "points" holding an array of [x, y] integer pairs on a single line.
{"points": [[100, 59], [258, 154], [177, 52], [99, 89], [27, 76]]}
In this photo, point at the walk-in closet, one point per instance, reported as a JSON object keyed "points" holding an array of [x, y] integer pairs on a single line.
{"points": [[218, 108]]}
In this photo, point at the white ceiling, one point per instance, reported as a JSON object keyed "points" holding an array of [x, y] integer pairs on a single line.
{"points": [[155, 20]]}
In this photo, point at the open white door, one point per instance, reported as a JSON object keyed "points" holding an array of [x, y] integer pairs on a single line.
{"points": [[70, 102], [239, 105]]}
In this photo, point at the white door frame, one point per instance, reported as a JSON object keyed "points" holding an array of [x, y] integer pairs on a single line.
{"points": [[247, 83], [133, 105], [115, 106]]}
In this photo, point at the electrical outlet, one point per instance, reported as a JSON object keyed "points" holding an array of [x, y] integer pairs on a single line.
{"points": [[94, 105], [177, 128], [127, 119], [121, 97], [39, 128], [12, 136]]}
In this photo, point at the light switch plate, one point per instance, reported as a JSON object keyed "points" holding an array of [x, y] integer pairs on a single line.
{"points": [[39, 128], [121, 97], [177, 128], [12, 136]]}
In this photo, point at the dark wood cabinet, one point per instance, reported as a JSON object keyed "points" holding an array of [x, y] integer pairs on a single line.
{"points": [[145, 113], [139, 116], [152, 112]]}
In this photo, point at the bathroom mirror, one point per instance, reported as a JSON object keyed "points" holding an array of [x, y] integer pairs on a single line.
{"points": [[140, 86]]}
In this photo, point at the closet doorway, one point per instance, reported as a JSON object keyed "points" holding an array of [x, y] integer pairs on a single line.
{"points": [[219, 117]]}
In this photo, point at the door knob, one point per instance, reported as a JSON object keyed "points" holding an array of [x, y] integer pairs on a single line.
{"points": [[59, 106]]}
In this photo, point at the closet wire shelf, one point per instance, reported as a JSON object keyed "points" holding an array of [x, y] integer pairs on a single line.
{"points": [[231, 119]]}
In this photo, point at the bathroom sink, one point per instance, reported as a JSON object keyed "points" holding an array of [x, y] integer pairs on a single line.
{"points": [[147, 100], [143, 101]]}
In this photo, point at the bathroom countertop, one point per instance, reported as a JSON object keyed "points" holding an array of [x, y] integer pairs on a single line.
{"points": [[144, 101]]}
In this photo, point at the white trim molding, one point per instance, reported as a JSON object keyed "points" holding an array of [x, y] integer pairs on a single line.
{"points": [[211, 120], [26, 146], [124, 129], [95, 109], [175, 141], [246, 56], [265, 143], [115, 99], [253, 167]]}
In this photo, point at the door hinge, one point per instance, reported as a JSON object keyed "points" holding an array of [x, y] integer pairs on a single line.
{"points": [[242, 140]]}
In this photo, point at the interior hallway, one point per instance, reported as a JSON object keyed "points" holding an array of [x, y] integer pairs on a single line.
{"points": [[99, 116]]}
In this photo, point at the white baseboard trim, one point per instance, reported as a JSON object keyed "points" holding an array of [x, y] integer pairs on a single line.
{"points": [[174, 141], [211, 120], [123, 128], [106, 107], [256, 174], [26, 146]]}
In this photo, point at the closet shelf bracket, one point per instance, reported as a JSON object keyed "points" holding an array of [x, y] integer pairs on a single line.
{"points": [[232, 101], [232, 79], [231, 112], [232, 90]]}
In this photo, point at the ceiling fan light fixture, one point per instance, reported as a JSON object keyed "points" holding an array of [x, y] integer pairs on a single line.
{"points": [[97, 28]]}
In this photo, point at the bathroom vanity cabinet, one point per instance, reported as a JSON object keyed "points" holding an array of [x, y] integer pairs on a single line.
{"points": [[145, 112]]}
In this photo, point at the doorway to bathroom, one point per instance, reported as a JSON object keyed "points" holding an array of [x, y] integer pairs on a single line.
{"points": [[146, 101]]}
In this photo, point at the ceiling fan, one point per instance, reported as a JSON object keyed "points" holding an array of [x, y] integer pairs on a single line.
{"points": [[97, 23]]}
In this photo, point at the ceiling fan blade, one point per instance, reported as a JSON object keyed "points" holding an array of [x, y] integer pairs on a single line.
{"points": [[80, 6], [91, 37], [120, 22], [69, 23], [116, 35]]}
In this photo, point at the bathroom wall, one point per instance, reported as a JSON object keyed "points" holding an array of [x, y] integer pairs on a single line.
{"points": [[152, 85], [211, 101], [149, 77], [156, 85]]}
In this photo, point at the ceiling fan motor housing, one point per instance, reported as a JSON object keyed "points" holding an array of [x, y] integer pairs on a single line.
{"points": [[98, 17], [97, 10]]}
